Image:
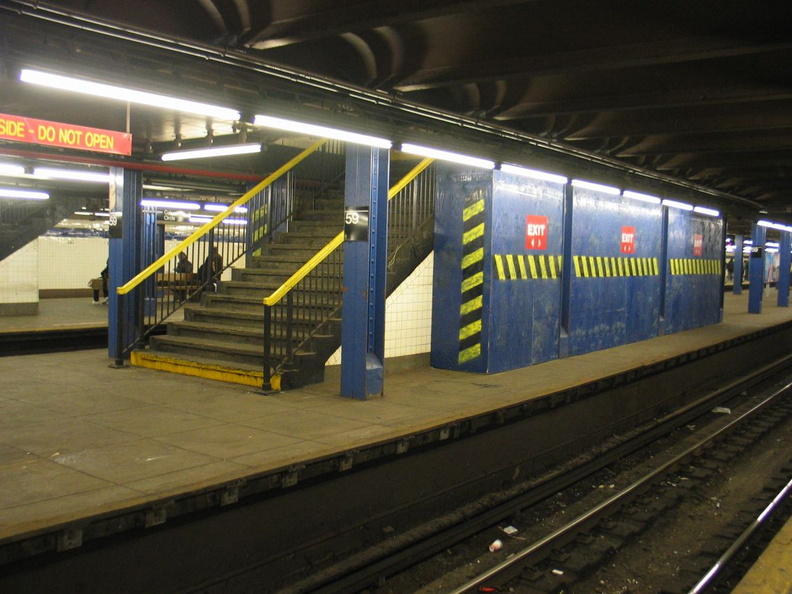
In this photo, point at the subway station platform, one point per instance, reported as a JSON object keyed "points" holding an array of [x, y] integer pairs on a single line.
{"points": [[82, 440]]}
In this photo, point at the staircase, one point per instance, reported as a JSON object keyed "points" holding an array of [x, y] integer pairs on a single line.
{"points": [[224, 332], [223, 336], [22, 221]]}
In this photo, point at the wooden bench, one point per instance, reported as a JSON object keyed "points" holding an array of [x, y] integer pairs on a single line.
{"points": [[180, 283]]}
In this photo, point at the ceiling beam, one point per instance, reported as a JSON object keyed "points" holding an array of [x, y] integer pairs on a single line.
{"points": [[762, 116], [613, 57], [700, 96], [303, 25]]}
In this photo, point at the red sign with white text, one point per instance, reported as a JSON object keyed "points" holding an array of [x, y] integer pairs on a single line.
{"points": [[698, 245], [30, 130], [628, 240], [535, 232]]}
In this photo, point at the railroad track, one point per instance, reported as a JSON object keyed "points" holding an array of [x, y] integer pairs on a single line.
{"points": [[559, 560], [379, 566]]}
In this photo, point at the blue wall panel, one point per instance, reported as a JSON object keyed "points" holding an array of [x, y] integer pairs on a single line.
{"points": [[496, 303], [694, 283], [615, 287], [462, 216], [525, 286]]}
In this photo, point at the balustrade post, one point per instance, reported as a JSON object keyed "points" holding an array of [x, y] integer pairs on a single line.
{"points": [[266, 384]]}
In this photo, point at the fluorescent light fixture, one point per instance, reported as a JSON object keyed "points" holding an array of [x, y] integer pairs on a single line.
{"points": [[579, 183], [158, 188], [11, 170], [321, 131], [88, 213], [679, 205], [214, 151], [170, 204], [72, 175], [86, 87], [764, 223], [642, 197], [205, 219], [425, 151], [771, 244], [533, 174], [748, 242], [24, 194], [706, 211], [215, 207]]}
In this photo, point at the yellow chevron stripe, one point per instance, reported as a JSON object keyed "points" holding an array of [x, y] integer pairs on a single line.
{"points": [[551, 262], [654, 267], [472, 210], [576, 263], [471, 305], [499, 267], [469, 353], [512, 269], [470, 330], [473, 234], [523, 271], [543, 266], [532, 264], [473, 281], [472, 258]]}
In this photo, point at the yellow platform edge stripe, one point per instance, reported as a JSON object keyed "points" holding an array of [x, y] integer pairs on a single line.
{"points": [[202, 370]]}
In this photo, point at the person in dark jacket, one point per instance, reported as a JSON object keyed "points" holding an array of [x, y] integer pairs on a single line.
{"points": [[210, 270]]}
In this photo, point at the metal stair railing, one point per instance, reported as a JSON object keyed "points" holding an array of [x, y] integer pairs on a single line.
{"points": [[305, 305], [196, 263]]}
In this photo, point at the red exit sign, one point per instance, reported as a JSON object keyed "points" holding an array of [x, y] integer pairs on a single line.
{"points": [[628, 240], [43, 132], [535, 232]]}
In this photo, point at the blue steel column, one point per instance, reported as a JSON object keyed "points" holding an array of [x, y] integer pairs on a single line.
{"points": [[661, 326], [783, 268], [126, 190], [738, 264], [566, 274], [365, 274], [756, 271]]}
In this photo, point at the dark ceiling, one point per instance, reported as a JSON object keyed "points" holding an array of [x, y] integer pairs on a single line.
{"points": [[699, 91]]}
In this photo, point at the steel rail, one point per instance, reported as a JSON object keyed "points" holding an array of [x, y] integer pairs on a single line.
{"points": [[724, 559], [518, 560], [403, 554]]}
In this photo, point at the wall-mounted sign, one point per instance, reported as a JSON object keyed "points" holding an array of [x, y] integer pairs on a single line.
{"points": [[115, 230], [628, 240], [698, 245], [32, 131], [535, 232], [356, 223]]}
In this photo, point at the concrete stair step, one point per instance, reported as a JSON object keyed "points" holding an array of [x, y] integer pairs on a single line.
{"points": [[303, 253], [218, 350], [261, 287], [317, 239]]}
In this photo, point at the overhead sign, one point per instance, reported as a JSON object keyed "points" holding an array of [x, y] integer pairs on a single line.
{"points": [[698, 245], [535, 232], [32, 131], [628, 240]]}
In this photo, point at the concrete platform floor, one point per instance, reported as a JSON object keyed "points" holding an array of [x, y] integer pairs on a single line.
{"points": [[78, 438]]}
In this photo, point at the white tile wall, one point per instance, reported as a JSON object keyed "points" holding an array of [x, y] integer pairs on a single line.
{"points": [[70, 262], [19, 275], [408, 315]]}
